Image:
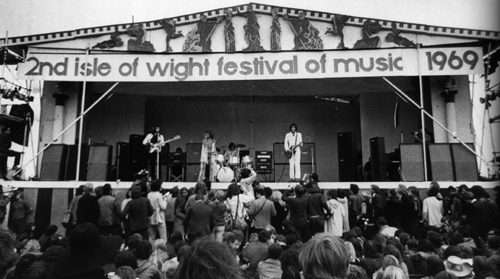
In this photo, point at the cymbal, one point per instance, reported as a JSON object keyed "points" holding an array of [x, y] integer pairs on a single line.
{"points": [[240, 145]]}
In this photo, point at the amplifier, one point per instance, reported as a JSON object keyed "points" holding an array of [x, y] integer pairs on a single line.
{"points": [[176, 158], [263, 161]]}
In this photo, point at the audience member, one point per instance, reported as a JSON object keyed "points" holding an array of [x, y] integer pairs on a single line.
{"points": [[271, 268], [199, 219], [157, 226], [138, 210], [145, 268]]}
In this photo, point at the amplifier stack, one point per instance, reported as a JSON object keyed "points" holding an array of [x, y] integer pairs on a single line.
{"points": [[263, 161]]}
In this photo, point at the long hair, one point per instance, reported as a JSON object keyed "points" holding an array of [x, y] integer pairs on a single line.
{"points": [[210, 134], [209, 259], [324, 256], [232, 190]]}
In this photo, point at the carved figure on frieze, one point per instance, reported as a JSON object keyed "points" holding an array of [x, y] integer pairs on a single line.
{"points": [[275, 31], [306, 35], [230, 42], [339, 22], [138, 31], [394, 37], [367, 41], [198, 39], [169, 27], [252, 28], [115, 41]]}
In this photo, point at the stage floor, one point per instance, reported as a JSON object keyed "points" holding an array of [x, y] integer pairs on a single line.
{"points": [[273, 185]]}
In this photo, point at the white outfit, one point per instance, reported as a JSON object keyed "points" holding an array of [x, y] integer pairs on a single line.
{"points": [[233, 203], [294, 162], [345, 204], [432, 211], [335, 224], [247, 183]]}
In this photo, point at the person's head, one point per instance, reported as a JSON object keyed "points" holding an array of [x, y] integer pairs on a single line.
{"points": [[208, 259], [455, 238], [493, 242], [402, 190], [332, 194], [381, 221], [426, 245], [184, 193], [106, 189], [314, 177], [175, 192], [394, 241], [260, 192], [314, 188], [293, 127], [391, 249], [434, 238], [413, 191], [433, 190], [479, 192], [126, 258], [233, 190], [445, 275], [403, 238], [143, 250], [208, 134], [156, 185], [133, 241], [37, 270], [412, 244], [50, 230], [324, 256], [452, 250], [276, 196], [274, 251], [494, 264], [375, 189], [354, 188], [231, 146], [245, 173], [390, 260], [125, 272], [480, 267], [135, 192], [265, 236], [370, 250], [155, 130], [466, 250], [290, 257], [434, 266], [340, 194], [379, 241], [300, 190], [393, 272]]}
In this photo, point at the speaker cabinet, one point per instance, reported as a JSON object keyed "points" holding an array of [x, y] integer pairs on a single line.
{"points": [[99, 162], [441, 161], [378, 159], [122, 160], [138, 155], [71, 159], [412, 162], [54, 163], [307, 153], [282, 174], [192, 172], [347, 169], [464, 162], [346, 145], [193, 153]]}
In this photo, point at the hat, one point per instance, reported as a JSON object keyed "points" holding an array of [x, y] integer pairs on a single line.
{"points": [[87, 251], [457, 266]]}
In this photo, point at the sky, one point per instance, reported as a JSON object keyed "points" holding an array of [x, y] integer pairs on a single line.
{"points": [[26, 17]]}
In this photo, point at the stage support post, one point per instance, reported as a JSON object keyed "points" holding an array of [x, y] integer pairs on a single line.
{"points": [[82, 114], [422, 115]]}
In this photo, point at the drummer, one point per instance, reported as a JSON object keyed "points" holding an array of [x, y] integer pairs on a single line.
{"points": [[232, 151]]}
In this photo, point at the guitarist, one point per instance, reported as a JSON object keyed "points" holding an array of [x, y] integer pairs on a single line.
{"points": [[154, 142], [293, 142]]}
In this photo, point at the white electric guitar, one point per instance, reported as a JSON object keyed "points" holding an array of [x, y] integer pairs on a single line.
{"points": [[157, 146]]}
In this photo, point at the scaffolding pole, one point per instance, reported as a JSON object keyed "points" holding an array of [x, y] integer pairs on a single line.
{"points": [[70, 125]]}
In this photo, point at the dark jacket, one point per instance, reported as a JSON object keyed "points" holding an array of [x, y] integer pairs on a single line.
{"points": [[316, 205], [138, 209], [298, 206], [199, 219], [88, 210]]}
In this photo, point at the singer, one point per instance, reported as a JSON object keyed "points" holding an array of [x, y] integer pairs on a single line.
{"points": [[208, 166]]}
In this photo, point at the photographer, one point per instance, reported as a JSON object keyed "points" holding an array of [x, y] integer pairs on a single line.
{"points": [[298, 207]]}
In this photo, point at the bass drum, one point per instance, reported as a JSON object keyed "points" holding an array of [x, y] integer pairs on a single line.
{"points": [[225, 174]]}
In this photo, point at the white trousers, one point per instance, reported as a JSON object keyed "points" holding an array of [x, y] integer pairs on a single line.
{"points": [[295, 164]]}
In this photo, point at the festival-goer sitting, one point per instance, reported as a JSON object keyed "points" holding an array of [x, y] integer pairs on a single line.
{"points": [[270, 268], [44, 239], [256, 252], [38, 270], [434, 266], [357, 269], [389, 260], [426, 249], [145, 269], [159, 255], [291, 234], [384, 228], [324, 256], [372, 258], [124, 272], [393, 272], [86, 254], [480, 267], [170, 267], [208, 259], [390, 249], [126, 258]]}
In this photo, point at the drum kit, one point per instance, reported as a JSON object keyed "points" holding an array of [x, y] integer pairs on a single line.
{"points": [[228, 170]]}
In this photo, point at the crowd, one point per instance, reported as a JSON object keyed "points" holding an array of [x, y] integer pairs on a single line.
{"points": [[251, 231]]}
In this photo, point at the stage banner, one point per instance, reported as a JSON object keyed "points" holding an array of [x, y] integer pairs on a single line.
{"points": [[130, 67]]}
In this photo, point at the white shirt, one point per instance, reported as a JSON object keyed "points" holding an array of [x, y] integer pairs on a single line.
{"points": [[433, 211], [290, 140]]}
